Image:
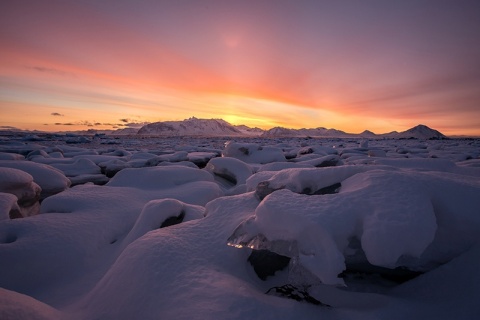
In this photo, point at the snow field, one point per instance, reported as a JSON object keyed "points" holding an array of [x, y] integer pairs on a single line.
{"points": [[149, 239]]}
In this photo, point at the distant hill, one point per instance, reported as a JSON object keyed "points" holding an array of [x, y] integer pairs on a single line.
{"points": [[419, 132], [218, 127], [367, 134]]}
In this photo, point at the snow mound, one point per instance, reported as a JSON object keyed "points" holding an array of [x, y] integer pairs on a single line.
{"points": [[405, 225], [21, 185], [320, 161], [11, 156], [277, 166], [77, 167], [158, 177], [162, 213], [400, 229], [14, 305], [231, 169], [308, 180], [9, 208], [253, 153], [50, 180], [173, 157]]}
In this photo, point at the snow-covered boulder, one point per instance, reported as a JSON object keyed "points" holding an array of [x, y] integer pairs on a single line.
{"points": [[201, 158], [98, 179], [158, 177], [117, 153], [277, 166], [163, 213], [230, 169], [37, 154], [50, 180], [77, 167], [320, 161], [14, 305], [410, 224], [308, 180], [113, 166], [180, 163], [253, 153], [11, 156], [9, 208], [173, 157], [21, 185], [377, 153], [316, 149]]}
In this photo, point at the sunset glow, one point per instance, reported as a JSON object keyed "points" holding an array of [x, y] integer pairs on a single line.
{"points": [[382, 66]]}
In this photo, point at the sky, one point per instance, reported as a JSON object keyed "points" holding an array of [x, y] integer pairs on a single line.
{"points": [[350, 65]]}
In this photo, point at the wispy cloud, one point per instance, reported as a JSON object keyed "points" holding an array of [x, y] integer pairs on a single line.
{"points": [[131, 123], [56, 114], [87, 123], [49, 70]]}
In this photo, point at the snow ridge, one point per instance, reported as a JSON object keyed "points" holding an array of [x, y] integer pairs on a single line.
{"points": [[219, 127]]}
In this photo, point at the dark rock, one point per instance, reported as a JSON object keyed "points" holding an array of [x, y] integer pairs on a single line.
{"points": [[291, 292], [15, 214], [266, 263], [328, 163], [173, 220], [263, 189], [244, 150], [305, 151], [334, 188], [398, 275], [227, 175], [357, 266]]}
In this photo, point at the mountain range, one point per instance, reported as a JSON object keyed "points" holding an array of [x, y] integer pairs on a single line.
{"points": [[219, 127]]}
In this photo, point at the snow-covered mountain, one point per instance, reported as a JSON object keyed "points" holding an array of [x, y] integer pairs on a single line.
{"points": [[218, 127], [419, 132], [191, 127]]}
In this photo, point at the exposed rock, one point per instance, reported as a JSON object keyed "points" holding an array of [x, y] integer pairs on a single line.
{"points": [[173, 220], [291, 292], [98, 179], [263, 189], [334, 188], [266, 263], [234, 171]]}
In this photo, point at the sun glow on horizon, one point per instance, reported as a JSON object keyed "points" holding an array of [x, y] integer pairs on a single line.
{"points": [[289, 64]]}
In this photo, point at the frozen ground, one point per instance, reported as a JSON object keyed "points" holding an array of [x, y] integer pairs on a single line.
{"points": [[105, 228]]}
